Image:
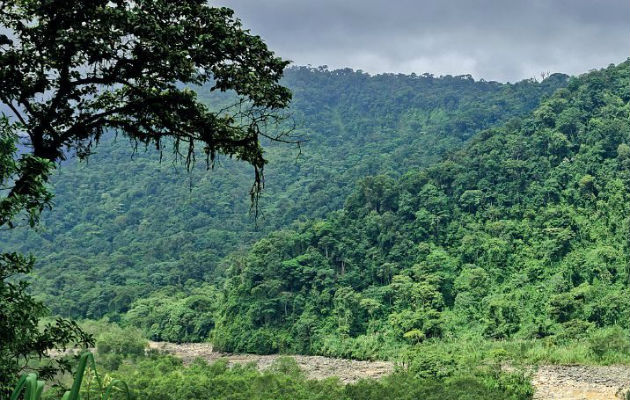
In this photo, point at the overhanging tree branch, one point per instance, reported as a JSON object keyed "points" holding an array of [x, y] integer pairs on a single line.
{"points": [[77, 69]]}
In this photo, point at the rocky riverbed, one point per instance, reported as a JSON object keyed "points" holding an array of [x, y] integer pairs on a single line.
{"points": [[578, 382], [552, 382], [314, 367]]}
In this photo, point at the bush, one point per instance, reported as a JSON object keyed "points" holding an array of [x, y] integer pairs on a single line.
{"points": [[122, 342], [608, 342], [404, 386], [287, 366]]}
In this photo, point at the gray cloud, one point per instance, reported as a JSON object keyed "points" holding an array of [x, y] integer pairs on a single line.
{"points": [[505, 40]]}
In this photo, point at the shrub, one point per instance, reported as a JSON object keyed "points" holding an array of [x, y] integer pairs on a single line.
{"points": [[123, 342], [608, 342]]}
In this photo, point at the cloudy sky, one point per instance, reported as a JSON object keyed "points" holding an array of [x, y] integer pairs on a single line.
{"points": [[504, 40]]}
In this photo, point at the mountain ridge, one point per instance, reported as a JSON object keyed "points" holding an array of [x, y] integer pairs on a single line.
{"points": [[126, 228]]}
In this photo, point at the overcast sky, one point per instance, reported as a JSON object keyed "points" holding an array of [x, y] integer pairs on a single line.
{"points": [[504, 40]]}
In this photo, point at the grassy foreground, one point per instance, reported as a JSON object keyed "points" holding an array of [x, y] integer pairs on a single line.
{"points": [[458, 369], [165, 377]]}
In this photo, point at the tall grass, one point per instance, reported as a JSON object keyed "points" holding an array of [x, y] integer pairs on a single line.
{"points": [[605, 346], [33, 388]]}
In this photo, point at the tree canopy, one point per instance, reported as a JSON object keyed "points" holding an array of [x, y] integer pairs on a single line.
{"points": [[71, 71], [137, 225], [521, 235]]}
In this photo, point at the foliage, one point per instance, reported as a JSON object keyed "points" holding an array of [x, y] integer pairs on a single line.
{"points": [[467, 386], [32, 388], [514, 242], [182, 317], [20, 333], [164, 377], [609, 342], [114, 344], [70, 71], [22, 336], [125, 225], [521, 235]]}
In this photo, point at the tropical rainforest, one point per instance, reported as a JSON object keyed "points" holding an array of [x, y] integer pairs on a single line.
{"points": [[128, 222], [433, 214], [523, 233], [447, 224]]}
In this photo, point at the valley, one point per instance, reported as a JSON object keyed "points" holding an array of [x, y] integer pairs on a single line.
{"points": [[187, 214], [550, 382]]}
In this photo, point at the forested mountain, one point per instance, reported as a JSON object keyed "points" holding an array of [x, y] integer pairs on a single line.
{"points": [[128, 224], [521, 234]]}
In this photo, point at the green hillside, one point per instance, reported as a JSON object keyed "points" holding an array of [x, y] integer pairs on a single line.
{"points": [[523, 234], [126, 225]]}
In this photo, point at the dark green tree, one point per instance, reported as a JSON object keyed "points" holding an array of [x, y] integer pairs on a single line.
{"points": [[70, 71]]}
